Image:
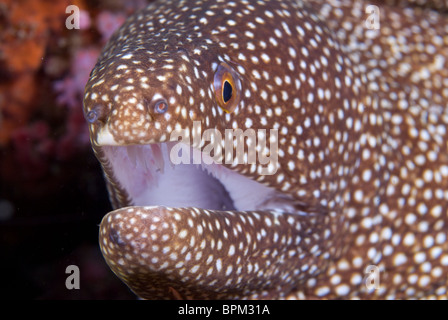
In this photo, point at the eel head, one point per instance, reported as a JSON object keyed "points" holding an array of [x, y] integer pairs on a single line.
{"points": [[225, 183]]}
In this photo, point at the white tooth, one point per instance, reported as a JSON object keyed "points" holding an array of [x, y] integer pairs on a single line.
{"points": [[132, 155], [166, 154], [146, 159], [147, 162], [169, 146], [158, 157], [139, 155]]}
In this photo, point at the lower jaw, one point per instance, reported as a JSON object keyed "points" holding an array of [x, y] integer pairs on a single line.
{"points": [[207, 253]]}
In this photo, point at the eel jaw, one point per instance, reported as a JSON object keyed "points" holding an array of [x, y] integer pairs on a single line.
{"points": [[203, 231]]}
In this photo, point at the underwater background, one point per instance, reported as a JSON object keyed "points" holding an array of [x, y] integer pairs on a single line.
{"points": [[52, 192]]}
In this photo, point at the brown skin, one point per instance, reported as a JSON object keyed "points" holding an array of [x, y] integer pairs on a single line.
{"points": [[368, 165]]}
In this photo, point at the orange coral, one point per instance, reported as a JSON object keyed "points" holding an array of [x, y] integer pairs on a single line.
{"points": [[26, 30]]}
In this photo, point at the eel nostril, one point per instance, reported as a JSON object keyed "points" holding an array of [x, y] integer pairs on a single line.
{"points": [[96, 114], [115, 237], [92, 116]]}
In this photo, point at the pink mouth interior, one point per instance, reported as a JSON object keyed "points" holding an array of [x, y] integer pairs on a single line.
{"points": [[151, 179]]}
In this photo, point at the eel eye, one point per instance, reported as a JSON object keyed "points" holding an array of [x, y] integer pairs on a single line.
{"points": [[227, 87], [161, 106]]}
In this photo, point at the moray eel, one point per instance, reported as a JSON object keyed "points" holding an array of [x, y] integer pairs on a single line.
{"points": [[354, 203]]}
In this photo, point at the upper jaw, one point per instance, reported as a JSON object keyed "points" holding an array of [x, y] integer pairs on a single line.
{"points": [[105, 138]]}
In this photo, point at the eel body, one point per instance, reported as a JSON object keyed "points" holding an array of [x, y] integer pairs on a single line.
{"points": [[355, 204]]}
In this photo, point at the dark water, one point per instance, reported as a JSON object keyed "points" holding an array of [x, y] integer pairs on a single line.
{"points": [[52, 193]]}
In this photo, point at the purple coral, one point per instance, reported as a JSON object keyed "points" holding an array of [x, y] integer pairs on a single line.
{"points": [[107, 22], [84, 20], [70, 92], [71, 89]]}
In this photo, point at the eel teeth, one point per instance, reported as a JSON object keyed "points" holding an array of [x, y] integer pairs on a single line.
{"points": [[132, 154], [158, 157]]}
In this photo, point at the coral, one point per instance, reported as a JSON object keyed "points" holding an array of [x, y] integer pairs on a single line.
{"points": [[70, 89], [107, 22], [23, 40], [45, 157], [85, 21], [27, 25]]}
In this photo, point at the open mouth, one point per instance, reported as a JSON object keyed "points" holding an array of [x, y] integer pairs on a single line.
{"points": [[203, 230], [150, 178]]}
